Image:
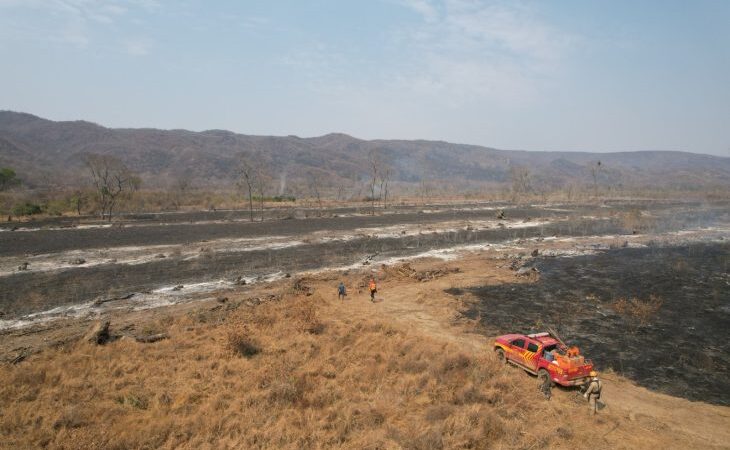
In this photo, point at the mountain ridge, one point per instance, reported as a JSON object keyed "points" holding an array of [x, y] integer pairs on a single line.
{"points": [[50, 151]]}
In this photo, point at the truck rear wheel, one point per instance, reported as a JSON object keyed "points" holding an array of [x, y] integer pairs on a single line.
{"points": [[501, 356], [544, 377]]}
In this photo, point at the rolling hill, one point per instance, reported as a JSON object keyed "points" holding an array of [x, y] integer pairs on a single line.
{"points": [[47, 152]]}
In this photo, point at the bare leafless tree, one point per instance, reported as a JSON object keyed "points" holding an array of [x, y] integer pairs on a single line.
{"points": [[520, 178], [595, 171], [262, 181], [111, 179], [424, 187], [385, 175], [181, 188], [374, 162], [247, 178], [314, 183]]}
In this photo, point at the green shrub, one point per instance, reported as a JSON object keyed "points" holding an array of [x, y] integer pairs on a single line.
{"points": [[26, 209]]}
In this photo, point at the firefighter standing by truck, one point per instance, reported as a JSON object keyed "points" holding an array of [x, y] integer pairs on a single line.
{"points": [[593, 391]]}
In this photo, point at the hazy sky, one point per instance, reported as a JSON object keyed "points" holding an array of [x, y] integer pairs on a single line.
{"points": [[561, 75]]}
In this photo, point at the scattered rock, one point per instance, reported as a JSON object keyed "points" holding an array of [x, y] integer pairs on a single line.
{"points": [[178, 287], [23, 266], [160, 255], [98, 334], [288, 275], [78, 261], [19, 358], [368, 259], [527, 271], [221, 299], [239, 281], [516, 263], [500, 214], [535, 253]]}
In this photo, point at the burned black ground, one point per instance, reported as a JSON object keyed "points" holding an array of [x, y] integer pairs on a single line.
{"points": [[680, 350], [25, 292]]}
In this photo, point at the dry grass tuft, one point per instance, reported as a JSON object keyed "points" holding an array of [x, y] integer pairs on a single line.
{"points": [[638, 310], [240, 343]]}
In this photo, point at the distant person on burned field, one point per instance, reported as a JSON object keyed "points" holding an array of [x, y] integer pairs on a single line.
{"points": [[341, 291], [373, 289]]}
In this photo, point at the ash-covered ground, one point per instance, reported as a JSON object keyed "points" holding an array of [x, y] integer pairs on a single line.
{"points": [[671, 339]]}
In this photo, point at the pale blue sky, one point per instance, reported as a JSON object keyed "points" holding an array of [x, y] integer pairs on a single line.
{"points": [[548, 75]]}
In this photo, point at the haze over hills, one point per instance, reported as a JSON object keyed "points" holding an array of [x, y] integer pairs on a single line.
{"points": [[49, 152]]}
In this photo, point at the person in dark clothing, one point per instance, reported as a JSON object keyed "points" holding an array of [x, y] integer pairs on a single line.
{"points": [[341, 291]]}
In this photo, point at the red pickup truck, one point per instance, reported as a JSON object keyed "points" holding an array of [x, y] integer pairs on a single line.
{"points": [[542, 355]]}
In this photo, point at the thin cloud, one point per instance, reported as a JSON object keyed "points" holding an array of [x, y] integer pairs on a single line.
{"points": [[137, 47], [75, 22], [465, 49], [423, 7]]}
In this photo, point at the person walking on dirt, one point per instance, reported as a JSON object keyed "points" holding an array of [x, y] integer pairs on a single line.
{"points": [[593, 391], [341, 291], [373, 289]]}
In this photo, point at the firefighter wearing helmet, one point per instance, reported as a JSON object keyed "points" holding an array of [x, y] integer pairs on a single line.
{"points": [[593, 391]]}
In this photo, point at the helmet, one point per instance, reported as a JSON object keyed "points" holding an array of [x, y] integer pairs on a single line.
{"points": [[593, 373]]}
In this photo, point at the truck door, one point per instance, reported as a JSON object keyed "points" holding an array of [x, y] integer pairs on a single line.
{"points": [[517, 348], [532, 355]]}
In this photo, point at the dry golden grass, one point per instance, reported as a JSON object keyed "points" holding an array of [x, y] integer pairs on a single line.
{"points": [[279, 375], [304, 371]]}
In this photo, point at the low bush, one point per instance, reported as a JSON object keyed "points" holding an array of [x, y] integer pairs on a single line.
{"points": [[26, 209]]}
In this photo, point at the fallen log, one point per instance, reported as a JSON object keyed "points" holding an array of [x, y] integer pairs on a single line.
{"points": [[151, 338]]}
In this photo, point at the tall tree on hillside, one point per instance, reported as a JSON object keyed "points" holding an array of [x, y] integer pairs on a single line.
{"points": [[112, 180], [247, 177]]}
